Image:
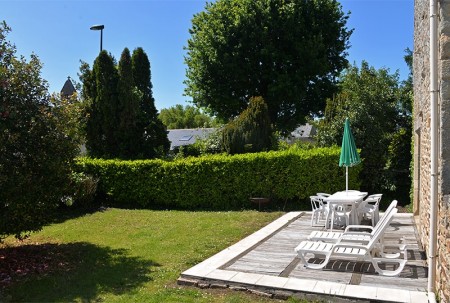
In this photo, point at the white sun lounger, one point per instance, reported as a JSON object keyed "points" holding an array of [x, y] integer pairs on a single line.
{"points": [[353, 251], [352, 232]]}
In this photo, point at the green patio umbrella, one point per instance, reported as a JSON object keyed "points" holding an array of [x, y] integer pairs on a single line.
{"points": [[349, 154]]}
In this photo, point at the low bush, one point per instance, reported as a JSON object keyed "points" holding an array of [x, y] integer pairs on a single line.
{"points": [[220, 181], [83, 190]]}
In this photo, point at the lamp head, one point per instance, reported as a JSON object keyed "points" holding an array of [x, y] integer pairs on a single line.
{"points": [[97, 27]]}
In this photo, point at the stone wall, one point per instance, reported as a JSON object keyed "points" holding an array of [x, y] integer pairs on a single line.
{"points": [[443, 262], [422, 152], [421, 72]]}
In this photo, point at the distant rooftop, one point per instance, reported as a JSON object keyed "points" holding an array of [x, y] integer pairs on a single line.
{"points": [[181, 137], [302, 133]]}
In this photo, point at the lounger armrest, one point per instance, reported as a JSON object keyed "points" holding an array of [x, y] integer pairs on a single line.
{"points": [[401, 247], [351, 227], [402, 250]]}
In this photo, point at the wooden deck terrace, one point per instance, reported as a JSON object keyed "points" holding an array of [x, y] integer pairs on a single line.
{"points": [[265, 263]]}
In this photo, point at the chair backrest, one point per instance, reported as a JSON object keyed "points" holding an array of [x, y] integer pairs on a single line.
{"points": [[374, 198], [323, 194], [386, 215], [379, 233], [316, 203]]}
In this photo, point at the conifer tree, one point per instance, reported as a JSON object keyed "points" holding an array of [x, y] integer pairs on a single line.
{"points": [[156, 142], [129, 135], [122, 117], [102, 126], [251, 131]]}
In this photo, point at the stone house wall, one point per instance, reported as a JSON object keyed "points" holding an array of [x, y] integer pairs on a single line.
{"points": [[422, 123]]}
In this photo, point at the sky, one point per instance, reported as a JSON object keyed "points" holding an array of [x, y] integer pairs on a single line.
{"points": [[58, 32]]}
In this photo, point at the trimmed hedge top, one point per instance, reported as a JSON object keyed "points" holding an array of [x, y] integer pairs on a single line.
{"points": [[220, 181]]}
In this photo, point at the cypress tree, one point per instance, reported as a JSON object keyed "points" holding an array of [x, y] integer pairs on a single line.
{"points": [[93, 122], [129, 135], [103, 122], [155, 141]]}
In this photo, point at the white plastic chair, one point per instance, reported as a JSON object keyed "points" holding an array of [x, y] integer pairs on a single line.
{"points": [[340, 213], [319, 211], [370, 208], [321, 196]]}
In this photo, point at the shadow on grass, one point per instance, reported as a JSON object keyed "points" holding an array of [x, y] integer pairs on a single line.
{"points": [[68, 272]]}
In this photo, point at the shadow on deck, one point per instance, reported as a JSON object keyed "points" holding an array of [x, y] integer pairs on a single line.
{"points": [[265, 263]]}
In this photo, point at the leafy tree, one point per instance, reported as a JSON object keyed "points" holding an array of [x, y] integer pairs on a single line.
{"points": [[35, 154], [250, 131], [399, 160], [72, 111], [370, 98], [179, 117], [156, 142], [288, 52]]}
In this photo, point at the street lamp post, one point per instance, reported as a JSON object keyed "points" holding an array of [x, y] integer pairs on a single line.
{"points": [[100, 28]]}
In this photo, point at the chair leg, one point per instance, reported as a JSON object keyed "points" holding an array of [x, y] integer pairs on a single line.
{"points": [[376, 214], [327, 220], [302, 254], [401, 262], [332, 222]]}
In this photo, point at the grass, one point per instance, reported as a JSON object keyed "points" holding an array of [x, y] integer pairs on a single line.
{"points": [[124, 256]]}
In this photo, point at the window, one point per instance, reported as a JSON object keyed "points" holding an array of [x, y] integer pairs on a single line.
{"points": [[186, 138]]}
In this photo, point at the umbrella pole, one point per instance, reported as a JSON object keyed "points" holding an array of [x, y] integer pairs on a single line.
{"points": [[346, 178]]}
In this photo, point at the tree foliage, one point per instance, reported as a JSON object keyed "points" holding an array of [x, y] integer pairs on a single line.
{"points": [[179, 117], [288, 52], [250, 131], [400, 148], [35, 154], [129, 135], [155, 141], [102, 125], [71, 110], [122, 118], [374, 102]]}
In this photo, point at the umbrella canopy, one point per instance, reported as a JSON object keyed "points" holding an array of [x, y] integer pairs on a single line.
{"points": [[349, 154]]}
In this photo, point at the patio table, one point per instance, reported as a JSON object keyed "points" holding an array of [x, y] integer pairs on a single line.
{"points": [[350, 198]]}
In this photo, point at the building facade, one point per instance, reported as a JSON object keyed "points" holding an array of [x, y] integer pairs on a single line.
{"points": [[422, 137]]}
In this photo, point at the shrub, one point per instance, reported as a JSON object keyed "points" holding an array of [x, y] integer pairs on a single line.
{"points": [[35, 154], [83, 189], [250, 131], [220, 181]]}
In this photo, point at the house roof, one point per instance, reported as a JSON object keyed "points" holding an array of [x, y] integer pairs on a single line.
{"points": [[68, 88], [303, 132], [181, 137]]}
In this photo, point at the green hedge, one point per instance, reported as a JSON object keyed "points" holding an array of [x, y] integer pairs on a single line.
{"points": [[220, 181]]}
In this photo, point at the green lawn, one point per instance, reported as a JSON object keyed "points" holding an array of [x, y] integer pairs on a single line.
{"points": [[124, 256]]}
